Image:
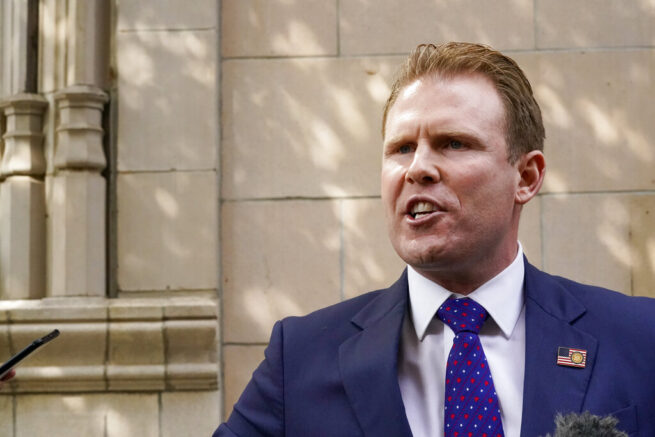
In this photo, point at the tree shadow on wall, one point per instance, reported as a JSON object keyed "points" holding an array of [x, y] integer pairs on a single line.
{"points": [[301, 149], [166, 76], [308, 128]]}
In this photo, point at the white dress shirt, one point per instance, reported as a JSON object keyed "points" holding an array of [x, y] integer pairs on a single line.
{"points": [[426, 343]]}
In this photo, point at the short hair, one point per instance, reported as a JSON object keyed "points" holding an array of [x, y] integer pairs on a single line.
{"points": [[523, 124]]}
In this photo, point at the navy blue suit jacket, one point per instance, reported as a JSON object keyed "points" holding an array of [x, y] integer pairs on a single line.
{"points": [[334, 372]]}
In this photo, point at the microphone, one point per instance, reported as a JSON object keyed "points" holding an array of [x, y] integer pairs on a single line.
{"points": [[586, 425]]}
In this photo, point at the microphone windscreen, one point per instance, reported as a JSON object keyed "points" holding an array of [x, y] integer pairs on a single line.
{"points": [[586, 425]]}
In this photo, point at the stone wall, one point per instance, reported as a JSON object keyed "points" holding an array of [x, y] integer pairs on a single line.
{"points": [[178, 176], [303, 87], [109, 217]]}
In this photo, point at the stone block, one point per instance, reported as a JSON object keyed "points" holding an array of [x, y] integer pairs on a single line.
{"points": [[22, 134], [135, 378], [369, 260], [14, 47], [530, 231], [303, 127], [642, 243], [136, 343], [74, 43], [586, 238], [133, 415], [166, 15], [74, 361], [599, 129], [185, 413], [368, 27], [59, 379], [167, 100], [278, 28], [7, 415], [49, 139], [113, 344], [571, 23], [52, 20], [39, 415], [76, 234], [188, 376], [5, 343], [282, 260], [135, 309], [23, 239], [111, 415], [79, 128], [78, 344], [190, 308], [86, 31], [191, 355], [239, 363], [167, 231], [72, 309], [136, 356], [191, 341]]}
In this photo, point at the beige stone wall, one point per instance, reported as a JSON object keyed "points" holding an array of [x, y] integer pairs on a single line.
{"points": [[109, 218], [166, 199], [166, 146], [303, 84], [242, 180]]}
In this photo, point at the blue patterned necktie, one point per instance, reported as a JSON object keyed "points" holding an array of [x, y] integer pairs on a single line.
{"points": [[471, 404]]}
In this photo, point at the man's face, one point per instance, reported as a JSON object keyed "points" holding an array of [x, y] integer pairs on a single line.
{"points": [[447, 186]]}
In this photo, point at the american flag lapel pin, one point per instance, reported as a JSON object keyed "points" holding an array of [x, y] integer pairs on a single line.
{"points": [[568, 356]]}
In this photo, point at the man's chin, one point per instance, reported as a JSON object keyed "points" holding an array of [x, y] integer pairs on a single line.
{"points": [[427, 260]]}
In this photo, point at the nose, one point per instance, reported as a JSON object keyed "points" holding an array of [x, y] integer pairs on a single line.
{"points": [[424, 166]]}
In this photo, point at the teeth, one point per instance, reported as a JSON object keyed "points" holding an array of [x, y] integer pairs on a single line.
{"points": [[420, 214], [422, 208]]}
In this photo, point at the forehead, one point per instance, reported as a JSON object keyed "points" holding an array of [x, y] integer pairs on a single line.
{"points": [[466, 101]]}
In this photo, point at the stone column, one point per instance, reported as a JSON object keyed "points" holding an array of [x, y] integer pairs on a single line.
{"points": [[22, 199], [77, 229]]}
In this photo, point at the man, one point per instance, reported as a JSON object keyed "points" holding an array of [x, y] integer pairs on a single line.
{"points": [[462, 154]]}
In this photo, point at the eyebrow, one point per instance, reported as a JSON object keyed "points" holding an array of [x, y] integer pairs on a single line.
{"points": [[469, 136], [393, 140]]}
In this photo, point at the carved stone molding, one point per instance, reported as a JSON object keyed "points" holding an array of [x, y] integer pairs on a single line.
{"points": [[23, 153], [79, 128], [113, 345], [76, 204], [22, 199]]}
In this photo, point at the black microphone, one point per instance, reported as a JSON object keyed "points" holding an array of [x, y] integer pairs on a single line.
{"points": [[586, 425]]}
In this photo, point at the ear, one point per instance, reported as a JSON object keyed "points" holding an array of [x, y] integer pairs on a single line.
{"points": [[532, 168]]}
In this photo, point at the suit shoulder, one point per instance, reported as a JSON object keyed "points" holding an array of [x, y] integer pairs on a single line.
{"points": [[341, 320]]}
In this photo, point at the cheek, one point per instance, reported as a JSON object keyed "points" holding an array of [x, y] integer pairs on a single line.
{"points": [[494, 202], [391, 182], [487, 191]]}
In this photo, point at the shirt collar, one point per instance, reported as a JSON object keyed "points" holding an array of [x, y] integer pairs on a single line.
{"points": [[501, 296]]}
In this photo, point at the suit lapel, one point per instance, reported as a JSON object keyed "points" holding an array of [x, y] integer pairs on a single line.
{"points": [[551, 312], [368, 364]]}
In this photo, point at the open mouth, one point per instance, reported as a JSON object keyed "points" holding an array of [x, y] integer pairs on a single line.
{"points": [[422, 209]]}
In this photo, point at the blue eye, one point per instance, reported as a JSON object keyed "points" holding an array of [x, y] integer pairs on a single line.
{"points": [[404, 149], [454, 144]]}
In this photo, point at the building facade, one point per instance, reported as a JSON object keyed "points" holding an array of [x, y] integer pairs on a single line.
{"points": [[176, 176]]}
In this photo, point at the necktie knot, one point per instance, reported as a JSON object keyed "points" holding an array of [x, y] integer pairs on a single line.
{"points": [[462, 315]]}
